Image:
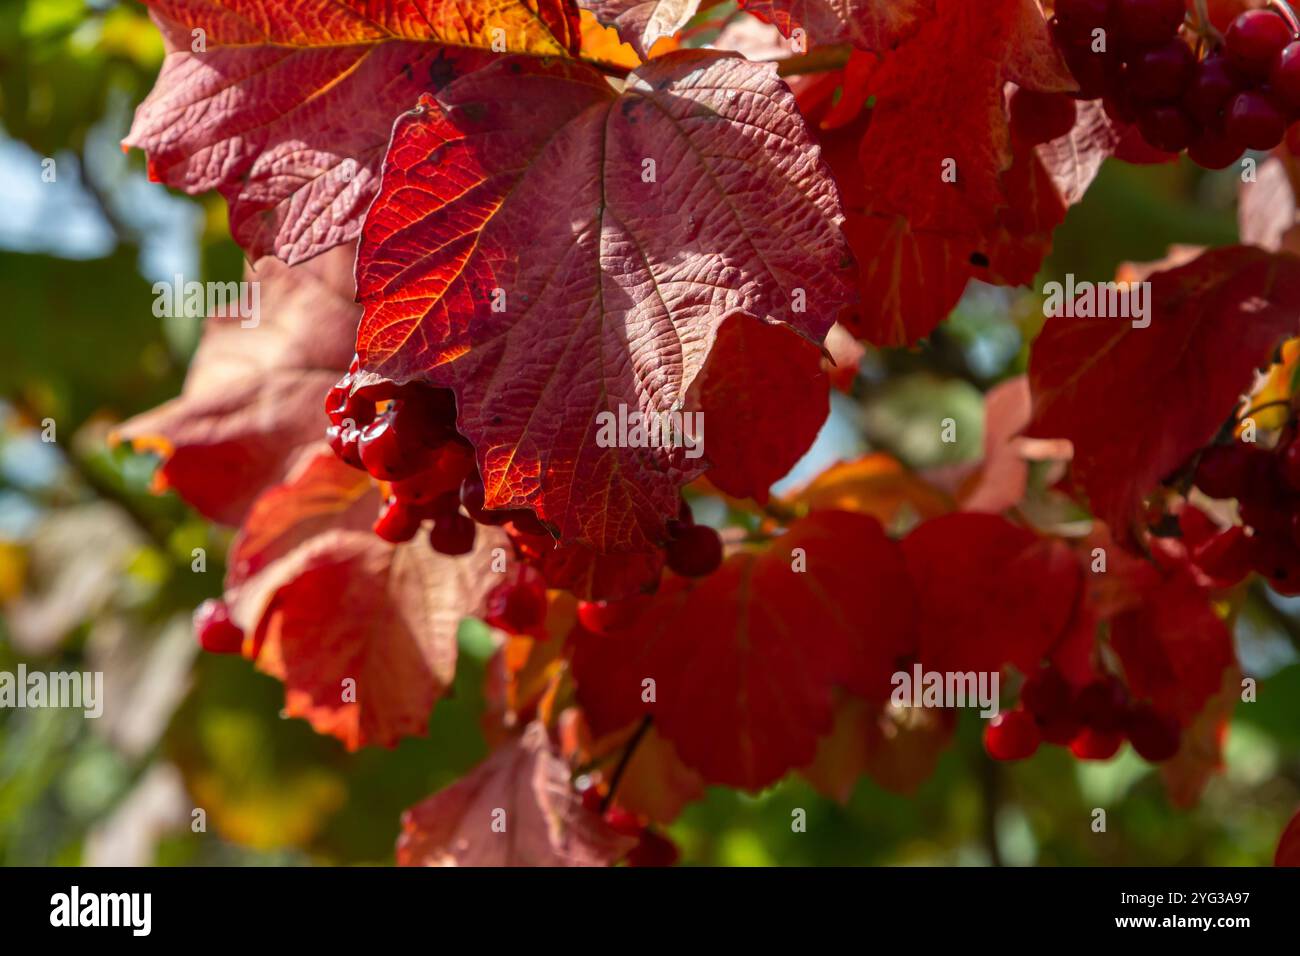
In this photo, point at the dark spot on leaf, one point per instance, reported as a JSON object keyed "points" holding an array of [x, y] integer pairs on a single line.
{"points": [[496, 419], [410, 74], [979, 259]]}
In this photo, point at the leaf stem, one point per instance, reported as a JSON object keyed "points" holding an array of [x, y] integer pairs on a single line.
{"points": [[617, 777]]}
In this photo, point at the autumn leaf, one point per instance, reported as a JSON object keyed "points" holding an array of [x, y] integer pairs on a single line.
{"points": [[1137, 402], [876, 484], [897, 747], [743, 661], [988, 593], [643, 22], [530, 191], [764, 398], [254, 396], [286, 107], [867, 24], [518, 808]]}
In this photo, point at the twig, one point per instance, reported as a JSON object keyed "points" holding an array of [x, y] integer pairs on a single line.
{"points": [[624, 760]]}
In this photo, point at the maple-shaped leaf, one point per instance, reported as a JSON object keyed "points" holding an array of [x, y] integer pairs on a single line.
{"points": [[933, 195], [1137, 402], [743, 661], [562, 255], [352, 606], [642, 22], [517, 808], [988, 593], [867, 24], [764, 398], [285, 106], [254, 395]]}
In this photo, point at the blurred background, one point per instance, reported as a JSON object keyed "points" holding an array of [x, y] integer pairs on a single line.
{"points": [[95, 571]]}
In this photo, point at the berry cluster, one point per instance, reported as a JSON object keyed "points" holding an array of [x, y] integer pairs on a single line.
{"points": [[406, 436], [1142, 62], [1093, 721], [1266, 484]]}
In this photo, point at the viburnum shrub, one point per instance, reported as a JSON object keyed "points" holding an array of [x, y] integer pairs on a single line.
{"points": [[498, 249]]}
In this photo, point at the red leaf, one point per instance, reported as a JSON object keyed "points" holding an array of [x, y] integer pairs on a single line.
{"points": [[642, 22], [764, 398], [527, 177], [867, 24], [1137, 402], [518, 808], [351, 605], [744, 660], [592, 576], [988, 593], [1173, 647], [254, 397], [288, 106]]}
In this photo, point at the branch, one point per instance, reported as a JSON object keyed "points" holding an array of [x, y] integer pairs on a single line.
{"points": [[624, 760]]}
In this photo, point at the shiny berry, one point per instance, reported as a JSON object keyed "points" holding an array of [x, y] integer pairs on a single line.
{"points": [[1284, 77], [1255, 121], [1166, 127], [1103, 705], [1155, 736], [1254, 39], [215, 631], [694, 551], [452, 533], [1163, 73], [1096, 745], [397, 522], [1011, 735], [1213, 83]]}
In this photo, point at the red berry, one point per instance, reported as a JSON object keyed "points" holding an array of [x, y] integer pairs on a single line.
{"points": [[1213, 150], [1046, 693], [1223, 470], [343, 442], [473, 495], [1253, 119], [604, 617], [1162, 74], [1011, 735], [452, 533], [1155, 736], [1103, 705], [1213, 83], [216, 632], [694, 551], [1284, 77], [382, 452], [591, 799], [653, 850], [1254, 39], [1225, 558], [397, 522], [1120, 107], [623, 821], [1041, 117], [1165, 127], [1145, 23], [517, 606], [1096, 745]]}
